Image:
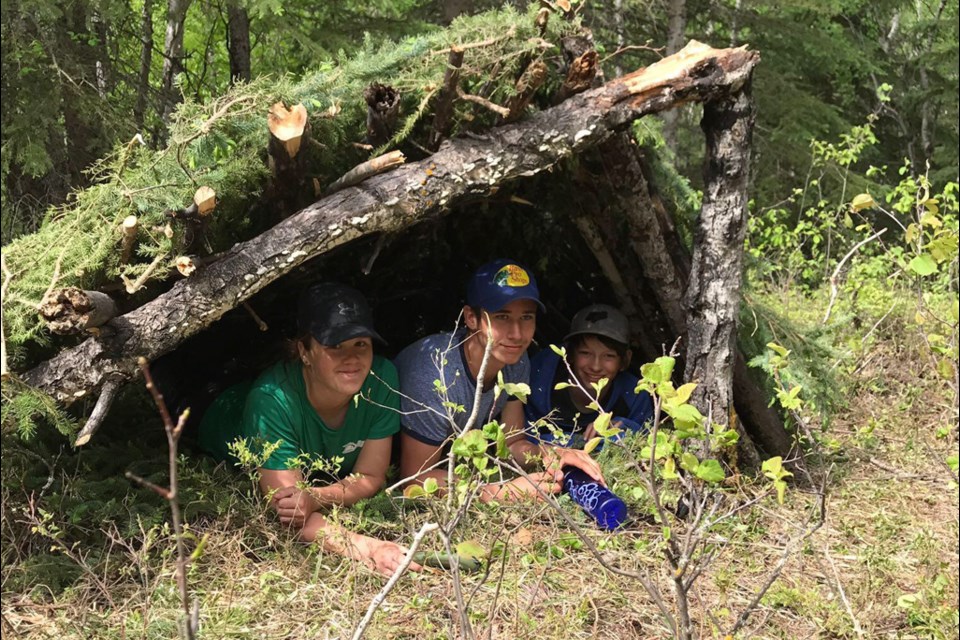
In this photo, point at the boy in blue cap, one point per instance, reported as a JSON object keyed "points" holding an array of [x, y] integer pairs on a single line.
{"points": [[502, 301]]}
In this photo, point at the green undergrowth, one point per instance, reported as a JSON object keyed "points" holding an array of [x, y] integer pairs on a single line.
{"points": [[222, 144]]}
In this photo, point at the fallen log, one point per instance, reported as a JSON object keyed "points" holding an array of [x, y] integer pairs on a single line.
{"points": [[463, 168]]}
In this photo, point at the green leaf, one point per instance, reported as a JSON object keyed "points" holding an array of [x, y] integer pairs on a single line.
{"points": [[923, 265], [781, 488], [781, 351], [471, 549], [669, 471], [599, 385], [602, 424], [863, 201], [688, 461], [592, 444], [953, 461], [913, 232], [560, 351], [561, 386], [430, 485], [470, 444], [414, 491], [908, 600], [666, 364], [772, 467], [518, 390], [710, 471], [651, 373], [930, 219], [683, 393], [685, 416]]}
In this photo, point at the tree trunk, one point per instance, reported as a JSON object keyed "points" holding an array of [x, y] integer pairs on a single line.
{"points": [[238, 42], [676, 27], [650, 234], [463, 168], [713, 293], [146, 58], [172, 55]]}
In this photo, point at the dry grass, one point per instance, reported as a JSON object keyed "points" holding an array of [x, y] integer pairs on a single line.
{"points": [[891, 531]]}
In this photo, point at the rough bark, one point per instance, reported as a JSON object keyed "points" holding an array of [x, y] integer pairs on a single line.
{"points": [[172, 55], [676, 26], [238, 42], [461, 169], [146, 58], [650, 234], [713, 293]]}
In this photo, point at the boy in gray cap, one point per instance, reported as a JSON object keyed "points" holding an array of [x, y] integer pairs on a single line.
{"points": [[597, 347]]}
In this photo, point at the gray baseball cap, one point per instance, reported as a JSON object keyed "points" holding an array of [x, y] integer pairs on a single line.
{"points": [[601, 320]]}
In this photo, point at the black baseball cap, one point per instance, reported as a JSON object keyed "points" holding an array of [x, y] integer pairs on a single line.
{"points": [[333, 313]]}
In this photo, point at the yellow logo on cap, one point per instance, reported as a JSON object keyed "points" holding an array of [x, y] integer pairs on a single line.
{"points": [[511, 276]]}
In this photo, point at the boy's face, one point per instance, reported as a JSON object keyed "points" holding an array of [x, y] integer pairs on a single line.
{"points": [[512, 328]]}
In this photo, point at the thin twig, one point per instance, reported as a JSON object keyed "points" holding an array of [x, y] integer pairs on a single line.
{"points": [[136, 285], [474, 45], [503, 112], [634, 47], [843, 596], [100, 411], [56, 275], [173, 436], [256, 318], [834, 289], [391, 583]]}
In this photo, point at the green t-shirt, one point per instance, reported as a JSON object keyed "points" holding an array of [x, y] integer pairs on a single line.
{"points": [[275, 408]]}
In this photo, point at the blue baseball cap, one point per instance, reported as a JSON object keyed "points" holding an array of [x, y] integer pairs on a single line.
{"points": [[498, 283]]}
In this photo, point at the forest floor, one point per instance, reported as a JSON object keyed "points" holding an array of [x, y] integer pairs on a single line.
{"points": [[87, 555]]}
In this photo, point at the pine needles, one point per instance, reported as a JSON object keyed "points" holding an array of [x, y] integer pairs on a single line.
{"points": [[222, 145]]}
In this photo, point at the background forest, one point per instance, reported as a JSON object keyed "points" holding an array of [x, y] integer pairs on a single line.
{"points": [[850, 314]]}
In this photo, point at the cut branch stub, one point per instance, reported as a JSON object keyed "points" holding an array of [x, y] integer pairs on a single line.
{"points": [[288, 126], [367, 169], [187, 265], [526, 86], [71, 310], [206, 200], [444, 108], [383, 111], [128, 231], [580, 75]]}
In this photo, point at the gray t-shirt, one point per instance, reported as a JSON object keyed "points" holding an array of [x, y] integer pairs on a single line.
{"points": [[424, 408]]}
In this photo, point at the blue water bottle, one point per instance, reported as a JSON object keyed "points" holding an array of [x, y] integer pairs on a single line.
{"points": [[602, 504]]}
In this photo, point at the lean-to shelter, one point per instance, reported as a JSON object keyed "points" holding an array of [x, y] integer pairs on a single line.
{"points": [[399, 171]]}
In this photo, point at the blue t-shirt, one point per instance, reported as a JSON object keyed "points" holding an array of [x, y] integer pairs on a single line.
{"points": [[433, 364], [633, 410]]}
